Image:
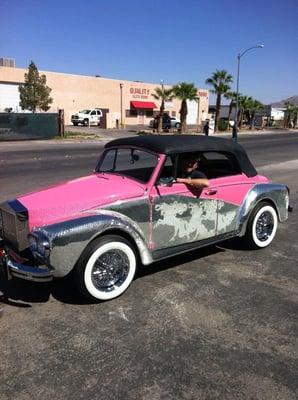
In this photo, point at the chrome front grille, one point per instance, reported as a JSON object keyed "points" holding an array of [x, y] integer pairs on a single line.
{"points": [[15, 224]]}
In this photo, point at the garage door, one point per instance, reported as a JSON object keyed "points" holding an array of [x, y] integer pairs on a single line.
{"points": [[9, 97]]}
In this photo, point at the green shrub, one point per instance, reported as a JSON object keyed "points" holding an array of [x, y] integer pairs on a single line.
{"points": [[222, 125]]}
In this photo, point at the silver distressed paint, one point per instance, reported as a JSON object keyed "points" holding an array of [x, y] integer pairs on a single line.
{"points": [[69, 239], [226, 217], [186, 220]]}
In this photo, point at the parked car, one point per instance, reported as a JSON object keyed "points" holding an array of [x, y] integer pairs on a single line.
{"points": [[87, 117], [131, 211], [166, 122], [175, 123]]}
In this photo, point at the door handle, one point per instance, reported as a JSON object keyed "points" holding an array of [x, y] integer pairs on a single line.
{"points": [[210, 192]]}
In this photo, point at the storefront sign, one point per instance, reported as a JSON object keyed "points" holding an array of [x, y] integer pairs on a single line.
{"points": [[203, 94], [139, 93]]}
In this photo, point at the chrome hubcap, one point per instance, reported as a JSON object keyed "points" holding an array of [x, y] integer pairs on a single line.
{"points": [[110, 270], [264, 226]]}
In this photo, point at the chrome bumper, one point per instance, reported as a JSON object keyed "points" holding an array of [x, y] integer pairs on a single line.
{"points": [[12, 268]]}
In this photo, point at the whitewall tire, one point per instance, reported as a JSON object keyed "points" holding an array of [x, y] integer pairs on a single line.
{"points": [[262, 226], [106, 268]]}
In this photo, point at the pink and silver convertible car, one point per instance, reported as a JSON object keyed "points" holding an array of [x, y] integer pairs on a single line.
{"points": [[132, 211]]}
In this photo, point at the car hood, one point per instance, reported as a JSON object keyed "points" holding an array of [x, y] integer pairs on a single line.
{"points": [[69, 199]]}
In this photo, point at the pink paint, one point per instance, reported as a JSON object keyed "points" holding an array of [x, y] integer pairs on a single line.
{"points": [[65, 200], [233, 189], [230, 189]]}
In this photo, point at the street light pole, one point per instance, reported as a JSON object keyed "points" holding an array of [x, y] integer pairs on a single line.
{"points": [[235, 127]]}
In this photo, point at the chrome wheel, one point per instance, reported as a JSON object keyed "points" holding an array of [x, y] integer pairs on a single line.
{"points": [[106, 268], [110, 270], [264, 226]]}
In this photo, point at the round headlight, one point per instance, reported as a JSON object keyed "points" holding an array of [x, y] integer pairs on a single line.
{"points": [[41, 248], [39, 245], [32, 243]]}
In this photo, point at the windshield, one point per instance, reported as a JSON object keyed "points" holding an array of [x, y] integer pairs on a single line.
{"points": [[133, 163], [85, 111]]}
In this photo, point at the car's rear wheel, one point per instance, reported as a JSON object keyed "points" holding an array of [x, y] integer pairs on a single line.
{"points": [[75, 123], [262, 226], [106, 268], [177, 125]]}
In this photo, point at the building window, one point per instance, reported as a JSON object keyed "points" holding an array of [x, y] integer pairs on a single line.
{"points": [[133, 112], [173, 113], [149, 113]]}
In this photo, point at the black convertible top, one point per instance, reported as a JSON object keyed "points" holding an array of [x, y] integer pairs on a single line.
{"points": [[177, 144]]}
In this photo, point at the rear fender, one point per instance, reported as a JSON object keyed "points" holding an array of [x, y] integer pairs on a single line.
{"points": [[275, 193]]}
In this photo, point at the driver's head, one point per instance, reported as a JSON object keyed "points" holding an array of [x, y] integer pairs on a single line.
{"points": [[190, 163]]}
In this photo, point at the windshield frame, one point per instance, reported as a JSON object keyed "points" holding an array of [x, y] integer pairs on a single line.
{"points": [[102, 157]]}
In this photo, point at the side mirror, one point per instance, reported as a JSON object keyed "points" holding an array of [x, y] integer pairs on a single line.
{"points": [[166, 181]]}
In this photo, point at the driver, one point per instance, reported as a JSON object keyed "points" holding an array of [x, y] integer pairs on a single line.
{"points": [[190, 174]]}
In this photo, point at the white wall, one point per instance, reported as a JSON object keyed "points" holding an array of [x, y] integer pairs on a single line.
{"points": [[192, 114], [278, 113]]}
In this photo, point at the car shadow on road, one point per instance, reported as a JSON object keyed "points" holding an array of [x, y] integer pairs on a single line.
{"points": [[21, 293]]}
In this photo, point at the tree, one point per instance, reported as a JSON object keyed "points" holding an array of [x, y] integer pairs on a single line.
{"points": [[291, 114], [163, 95], [185, 91], [220, 80], [244, 105], [254, 106], [232, 96], [295, 116], [34, 93]]}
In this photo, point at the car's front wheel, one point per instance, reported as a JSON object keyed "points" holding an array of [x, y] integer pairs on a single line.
{"points": [[262, 226], [86, 122], [106, 268]]}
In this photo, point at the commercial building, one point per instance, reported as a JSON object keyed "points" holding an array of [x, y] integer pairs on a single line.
{"points": [[123, 102]]}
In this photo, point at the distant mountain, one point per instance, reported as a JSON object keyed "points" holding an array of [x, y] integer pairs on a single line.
{"points": [[293, 100]]}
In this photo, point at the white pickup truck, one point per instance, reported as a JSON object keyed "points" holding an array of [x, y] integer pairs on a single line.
{"points": [[87, 117]]}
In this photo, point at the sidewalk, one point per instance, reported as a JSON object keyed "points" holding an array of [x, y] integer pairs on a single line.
{"points": [[110, 134]]}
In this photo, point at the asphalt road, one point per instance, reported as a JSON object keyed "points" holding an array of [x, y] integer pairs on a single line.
{"points": [[218, 323]]}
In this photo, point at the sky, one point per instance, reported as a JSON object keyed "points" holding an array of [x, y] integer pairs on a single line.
{"points": [[154, 40]]}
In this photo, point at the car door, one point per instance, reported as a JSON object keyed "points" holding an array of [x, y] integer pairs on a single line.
{"points": [[230, 192], [93, 117], [181, 214], [230, 186]]}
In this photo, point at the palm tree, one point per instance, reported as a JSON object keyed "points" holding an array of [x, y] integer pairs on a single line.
{"points": [[220, 80], [244, 106], [163, 95], [254, 106], [185, 91], [295, 116], [232, 96], [289, 113]]}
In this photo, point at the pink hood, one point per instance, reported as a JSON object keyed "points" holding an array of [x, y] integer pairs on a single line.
{"points": [[64, 200]]}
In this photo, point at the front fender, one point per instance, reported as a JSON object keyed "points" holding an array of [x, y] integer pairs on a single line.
{"points": [[275, 193], [68, 239]]}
